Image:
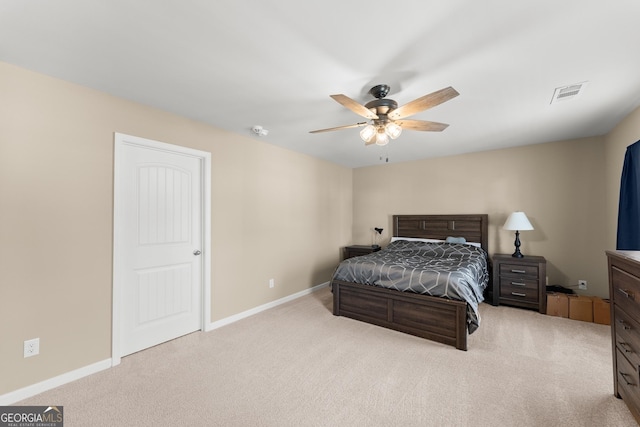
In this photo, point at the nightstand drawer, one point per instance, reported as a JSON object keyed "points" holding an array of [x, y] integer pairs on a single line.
{"points": [[519, 270], [527, 293]]}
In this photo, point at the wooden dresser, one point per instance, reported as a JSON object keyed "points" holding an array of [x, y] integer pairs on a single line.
{"points": [[624, 291], [520, 282]]}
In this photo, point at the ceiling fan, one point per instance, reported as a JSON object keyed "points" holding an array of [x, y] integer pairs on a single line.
{"points": [[387, 120]]}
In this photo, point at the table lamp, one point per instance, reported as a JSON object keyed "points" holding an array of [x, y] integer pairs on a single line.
{"points": [[517, 221], [379, 232]]}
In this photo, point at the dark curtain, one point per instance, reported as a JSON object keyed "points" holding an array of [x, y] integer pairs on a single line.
{"points": [[629, 206]]}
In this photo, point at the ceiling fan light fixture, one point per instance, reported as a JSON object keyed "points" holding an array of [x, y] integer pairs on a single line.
{"points": [[368, 133], [382, 113], [393, 130], [381, 137]]}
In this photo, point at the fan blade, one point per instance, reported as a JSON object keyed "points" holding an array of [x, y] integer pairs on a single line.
{"points": [[355, 125], [421, 125], [373, 141], [352, 105], [424, 103]]}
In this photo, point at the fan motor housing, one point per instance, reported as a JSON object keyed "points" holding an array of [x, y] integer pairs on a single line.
{"points": [[382, 106]]}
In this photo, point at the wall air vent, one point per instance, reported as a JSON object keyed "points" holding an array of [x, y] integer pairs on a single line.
{"points": [[566, 93]]}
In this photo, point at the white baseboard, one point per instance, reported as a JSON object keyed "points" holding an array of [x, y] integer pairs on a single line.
{"points": [[227, 320], [32, 390]]}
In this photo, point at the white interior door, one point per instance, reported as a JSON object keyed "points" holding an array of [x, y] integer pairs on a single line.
{"points": [[159, 245]]}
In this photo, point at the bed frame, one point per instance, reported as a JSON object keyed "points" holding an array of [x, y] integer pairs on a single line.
{"points": [[437, 319]]}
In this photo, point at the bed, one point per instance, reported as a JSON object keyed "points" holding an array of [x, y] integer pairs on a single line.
{"points": [[445, 319]]}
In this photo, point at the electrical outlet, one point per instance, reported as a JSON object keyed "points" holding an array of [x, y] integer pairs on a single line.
{"points": [[272, 283], [582, 284], [32, 347]]}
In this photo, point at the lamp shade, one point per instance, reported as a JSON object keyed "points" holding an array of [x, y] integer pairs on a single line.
{"points": [[368, 133], [518, 221], [393, 130], [381, 137]]}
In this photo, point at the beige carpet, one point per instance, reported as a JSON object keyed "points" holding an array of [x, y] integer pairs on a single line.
{"points": [[298, 365]]}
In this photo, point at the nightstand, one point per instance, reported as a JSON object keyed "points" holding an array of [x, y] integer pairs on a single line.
{"points": [[520, 282], [357, 250]]}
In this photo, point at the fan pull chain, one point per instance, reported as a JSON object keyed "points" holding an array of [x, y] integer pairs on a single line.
{"points": [[386, 156]]}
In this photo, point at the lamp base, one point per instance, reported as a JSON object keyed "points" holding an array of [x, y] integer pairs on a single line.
{"points": [[517, 253]]}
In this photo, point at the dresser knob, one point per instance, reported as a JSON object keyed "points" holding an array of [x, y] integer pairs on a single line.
{"points": [[624, 377], [518, 294], [518, 271], [623, 324], [625, 293], [625, 347]]}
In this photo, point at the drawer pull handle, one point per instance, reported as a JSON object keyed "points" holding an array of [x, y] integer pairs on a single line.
{"points": [[623, 324], [519, 271], [625, 347], [518, 284], [518, 294], [625, 293], [624, 377]]}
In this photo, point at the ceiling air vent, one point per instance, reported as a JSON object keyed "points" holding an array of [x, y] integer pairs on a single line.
{"points": [[565, 93]]}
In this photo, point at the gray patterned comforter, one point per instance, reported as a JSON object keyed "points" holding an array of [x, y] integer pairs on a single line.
{"points": [[449, 270]]}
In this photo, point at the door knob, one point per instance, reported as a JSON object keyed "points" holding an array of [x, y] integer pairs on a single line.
{"points": [[197, 252]]}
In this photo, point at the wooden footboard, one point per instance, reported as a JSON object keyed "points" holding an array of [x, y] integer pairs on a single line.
{"points": [[437, 319]]}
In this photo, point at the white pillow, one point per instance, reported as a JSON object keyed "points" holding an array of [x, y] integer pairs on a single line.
{"points": [[479, 245], [416, 239]]}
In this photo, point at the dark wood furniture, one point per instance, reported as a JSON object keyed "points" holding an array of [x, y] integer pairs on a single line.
{"points": [[357, 250], [624, 291], [438, 319], [520, 282]]}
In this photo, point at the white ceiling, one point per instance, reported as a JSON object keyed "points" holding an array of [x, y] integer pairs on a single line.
{"points": [[238, 63]]}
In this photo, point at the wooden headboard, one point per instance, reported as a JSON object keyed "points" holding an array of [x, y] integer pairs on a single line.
{"points": [[474, 228]]}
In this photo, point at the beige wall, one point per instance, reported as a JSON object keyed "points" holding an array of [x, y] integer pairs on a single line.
{"points": [[560, 186], [56, 176], [284, 214]]}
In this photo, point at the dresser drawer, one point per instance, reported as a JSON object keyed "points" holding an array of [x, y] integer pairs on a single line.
{"points": [[627, 336], [627, 377], [514, 270], [625, 291]]}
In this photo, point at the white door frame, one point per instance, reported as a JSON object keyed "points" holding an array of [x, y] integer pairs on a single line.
{"points": [[120, 140]]}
